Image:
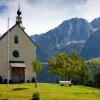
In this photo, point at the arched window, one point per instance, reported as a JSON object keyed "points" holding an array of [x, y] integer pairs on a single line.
{"points": [[15, 54], [16, 40]]}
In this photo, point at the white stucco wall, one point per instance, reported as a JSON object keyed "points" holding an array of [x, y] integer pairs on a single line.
{"points": [[26, 48]]}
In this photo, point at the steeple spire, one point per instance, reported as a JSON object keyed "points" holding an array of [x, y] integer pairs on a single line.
{"points": [[19, 12], [19, 18]]}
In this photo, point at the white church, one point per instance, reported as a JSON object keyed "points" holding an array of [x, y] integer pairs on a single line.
{"points": [[17, 51]]}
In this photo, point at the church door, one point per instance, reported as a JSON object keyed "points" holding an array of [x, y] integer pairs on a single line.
{"points": [[18, 75]]}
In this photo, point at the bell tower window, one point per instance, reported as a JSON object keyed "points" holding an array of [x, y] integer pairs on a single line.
{"points": [[16, 39]]}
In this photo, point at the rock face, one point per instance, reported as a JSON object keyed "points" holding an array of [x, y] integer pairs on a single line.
{"points": [[70, 35], [96, 23], [92, 46]]}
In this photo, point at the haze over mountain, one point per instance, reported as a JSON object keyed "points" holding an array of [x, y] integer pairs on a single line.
{"points": [[74, 34]]}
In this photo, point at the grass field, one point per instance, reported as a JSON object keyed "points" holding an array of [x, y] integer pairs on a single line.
{"points": [[48, 92]]}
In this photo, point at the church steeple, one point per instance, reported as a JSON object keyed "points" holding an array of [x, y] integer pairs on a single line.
{"points": [[19, 18]]}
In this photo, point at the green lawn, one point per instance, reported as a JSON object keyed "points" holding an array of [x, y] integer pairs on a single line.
{"points": [[48, 92]]}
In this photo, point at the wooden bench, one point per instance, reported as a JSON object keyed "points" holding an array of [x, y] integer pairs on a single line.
{"points": [[62, 83]]}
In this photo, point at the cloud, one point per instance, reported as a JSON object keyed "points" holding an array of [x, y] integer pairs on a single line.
{"points": [[2, 8], [91, 9], [40, 16]]}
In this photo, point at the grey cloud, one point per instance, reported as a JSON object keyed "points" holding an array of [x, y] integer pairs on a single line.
{"points": [[58, 2], [2, 8], [40, 16]]}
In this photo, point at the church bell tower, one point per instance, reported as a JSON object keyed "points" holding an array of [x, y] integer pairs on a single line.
{"points": [[19, 18]]}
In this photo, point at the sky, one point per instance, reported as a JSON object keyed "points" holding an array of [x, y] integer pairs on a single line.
{"points": [[40, 16]]}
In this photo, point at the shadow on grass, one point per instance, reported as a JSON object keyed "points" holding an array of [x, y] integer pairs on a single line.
{"points": [[18, 89], [84, 93]]}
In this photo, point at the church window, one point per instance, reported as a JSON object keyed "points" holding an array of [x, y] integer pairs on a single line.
{"points": [[16, 40], [15, 54]]}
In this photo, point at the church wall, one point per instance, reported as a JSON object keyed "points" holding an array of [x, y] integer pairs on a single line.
{"points": [[26, 48], [4, 58]]}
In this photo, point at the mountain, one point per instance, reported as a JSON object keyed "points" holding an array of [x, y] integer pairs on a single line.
{"points": [[92, 47], [70, 35], [74, 34], [96, 23]]}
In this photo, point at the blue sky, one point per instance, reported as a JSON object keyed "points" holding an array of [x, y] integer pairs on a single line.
{"points": [[40, 16]]}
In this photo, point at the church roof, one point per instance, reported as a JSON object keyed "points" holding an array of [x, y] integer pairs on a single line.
{"points": [[21, 29]]}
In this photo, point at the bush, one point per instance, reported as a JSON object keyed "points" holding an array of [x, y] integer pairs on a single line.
{"points": [[57, 80], [1, 79], [28, 81], [5, 81], [36, 96], [62, 84], [10, 81], [97, 80], [33, 80], [22, 81]]}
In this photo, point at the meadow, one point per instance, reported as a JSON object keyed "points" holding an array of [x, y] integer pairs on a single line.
{"points": [[48, 91]]}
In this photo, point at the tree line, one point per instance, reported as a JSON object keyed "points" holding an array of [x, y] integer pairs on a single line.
{"points": [[71, 67]]}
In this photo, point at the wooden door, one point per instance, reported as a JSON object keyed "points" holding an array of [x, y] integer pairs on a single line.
{"points": [[18, 75]]}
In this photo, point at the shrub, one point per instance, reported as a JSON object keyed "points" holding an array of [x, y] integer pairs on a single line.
{"points": [[10, 81], [57, 80], [36, 96], [22, 81], [97, 80], [28, 81], [62, 84], [1, 79], [5, 81], [33, 80]]}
